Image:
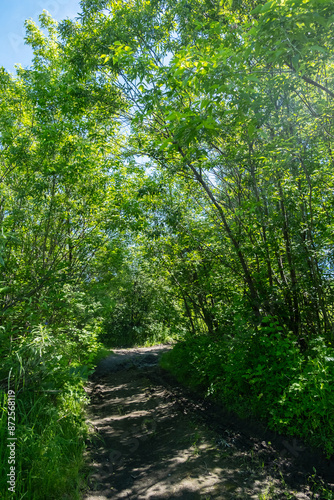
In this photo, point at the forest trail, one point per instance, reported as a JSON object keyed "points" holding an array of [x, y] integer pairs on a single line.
{"points": [[152, 439]]}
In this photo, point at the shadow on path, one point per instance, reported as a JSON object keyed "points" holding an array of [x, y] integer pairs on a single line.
{"points": [[152, 440]]}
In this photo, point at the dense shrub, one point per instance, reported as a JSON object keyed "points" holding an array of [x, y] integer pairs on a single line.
{"points": [[306, 406], [263, 373]]}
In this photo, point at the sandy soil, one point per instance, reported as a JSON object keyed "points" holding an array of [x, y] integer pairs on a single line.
{"points": [[152, 439]]}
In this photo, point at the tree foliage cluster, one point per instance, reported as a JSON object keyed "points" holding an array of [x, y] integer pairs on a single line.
{"points": [[236, 101], [167, 173]]}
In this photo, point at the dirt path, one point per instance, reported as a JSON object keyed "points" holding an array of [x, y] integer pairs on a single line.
{"points": [[155, 440]]}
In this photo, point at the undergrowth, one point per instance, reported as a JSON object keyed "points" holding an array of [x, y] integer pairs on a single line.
{"points": [[47, 370], [264, 373]]}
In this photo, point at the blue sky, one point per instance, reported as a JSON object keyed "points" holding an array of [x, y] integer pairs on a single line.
{"points": [[14, 13]]}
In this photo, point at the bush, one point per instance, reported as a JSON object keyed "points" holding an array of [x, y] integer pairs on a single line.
{"points": [[263, 373], [306, 406]]}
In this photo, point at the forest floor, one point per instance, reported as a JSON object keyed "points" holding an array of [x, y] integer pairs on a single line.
{"points": [[152, 439]]}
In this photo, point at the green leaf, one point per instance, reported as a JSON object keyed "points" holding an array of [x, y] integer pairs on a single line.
{"points": [[318, 48]]}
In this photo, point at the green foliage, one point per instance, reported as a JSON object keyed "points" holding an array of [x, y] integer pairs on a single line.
{"points": [[306, 406], [235, 100], [264, 375], [189, 361], [142, 308], [50, 434], [47, 370]]}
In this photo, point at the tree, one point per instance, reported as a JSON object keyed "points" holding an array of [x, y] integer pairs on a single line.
{"points": [[56, 189], [231, 99]]}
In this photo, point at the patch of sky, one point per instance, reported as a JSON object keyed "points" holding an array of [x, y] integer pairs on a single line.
{"points": [[13, 49]]}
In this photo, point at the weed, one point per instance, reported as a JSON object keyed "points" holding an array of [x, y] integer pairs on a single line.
{"points": [[268, 494], [196, 439], [120, 409], [319, 488]]}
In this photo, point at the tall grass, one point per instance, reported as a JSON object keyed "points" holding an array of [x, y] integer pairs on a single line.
{"points": [[47, 371]]}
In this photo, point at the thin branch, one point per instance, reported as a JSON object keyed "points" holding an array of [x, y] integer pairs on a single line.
{"points": [[310, 81]]}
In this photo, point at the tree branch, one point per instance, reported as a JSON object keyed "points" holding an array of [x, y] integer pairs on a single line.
{"points": [[310, 81]]}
